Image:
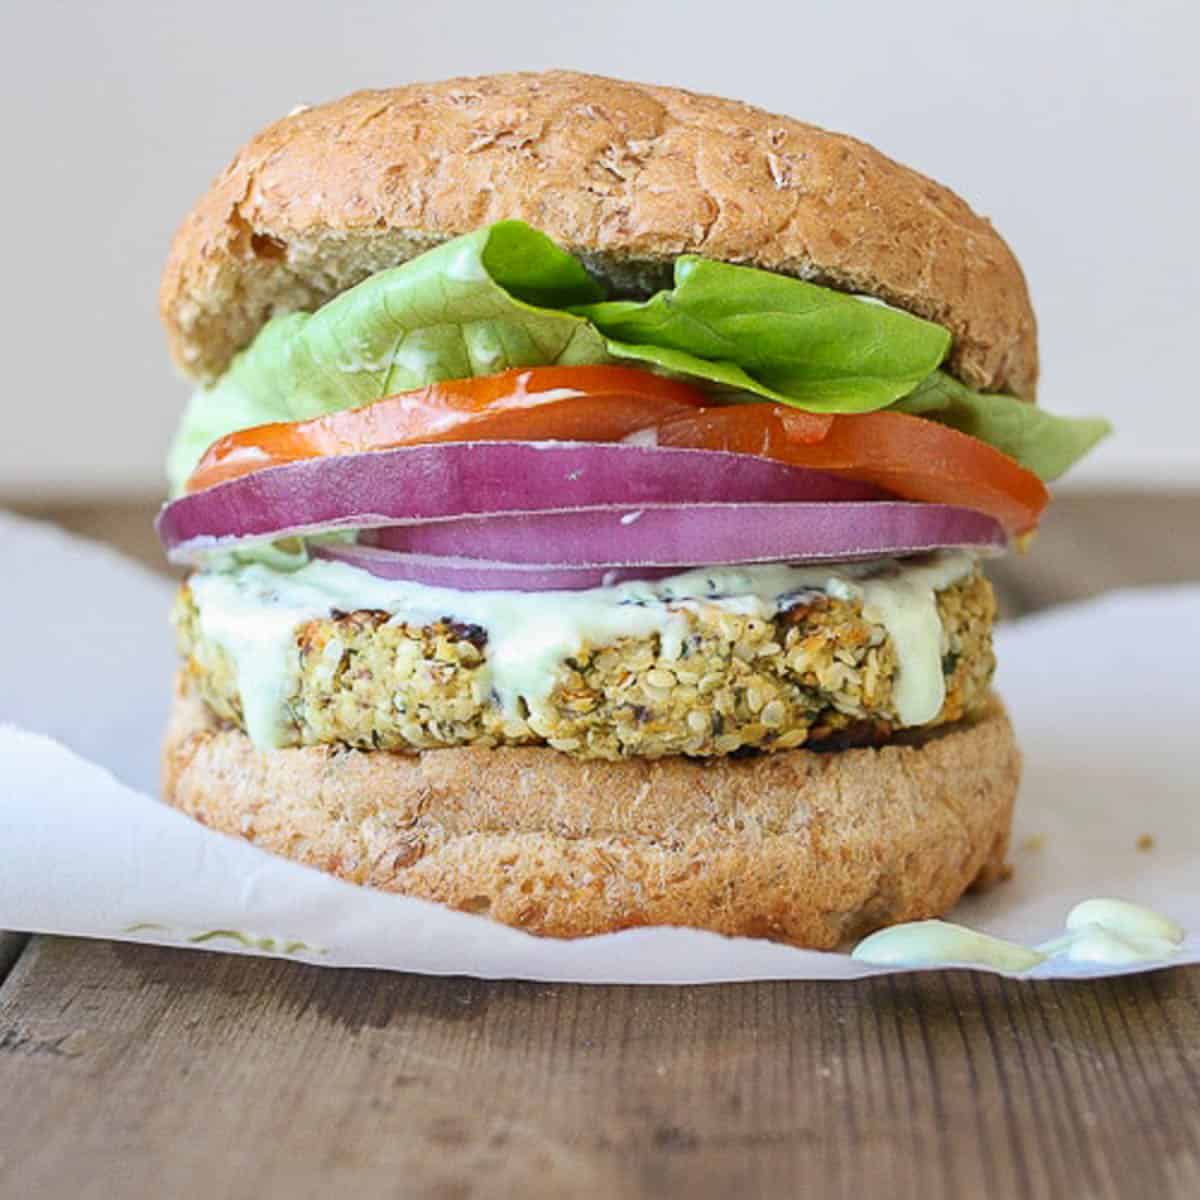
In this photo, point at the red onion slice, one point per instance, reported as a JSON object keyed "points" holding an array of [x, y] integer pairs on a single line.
{"points": [[460, 479], [593, 548], [482, 575], [693, 535]]}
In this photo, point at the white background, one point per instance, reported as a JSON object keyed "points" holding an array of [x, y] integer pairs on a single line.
{"points": [[1073, 126]]}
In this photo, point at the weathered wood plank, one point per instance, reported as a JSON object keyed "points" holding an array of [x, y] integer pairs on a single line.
{"points": [[1093, 544], [188, 1076]]}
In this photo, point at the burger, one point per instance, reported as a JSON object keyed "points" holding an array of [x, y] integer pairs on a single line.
{"points": [[584, 495]]}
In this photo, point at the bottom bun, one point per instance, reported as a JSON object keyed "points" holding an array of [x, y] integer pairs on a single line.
{"points": [[811, 848]]}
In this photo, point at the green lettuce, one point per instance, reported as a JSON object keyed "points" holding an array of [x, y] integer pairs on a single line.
{"points": [[507, 296], [1040, 441], [775, 337]]}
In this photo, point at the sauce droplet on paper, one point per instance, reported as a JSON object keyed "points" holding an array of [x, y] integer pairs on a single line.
{"points": [[1111, 932], [929, 943]]}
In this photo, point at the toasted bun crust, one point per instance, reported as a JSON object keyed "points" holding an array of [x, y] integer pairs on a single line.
{"points": [[626, 175], [813, 849]]}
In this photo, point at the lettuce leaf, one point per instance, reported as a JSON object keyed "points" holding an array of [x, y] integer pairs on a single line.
{"points": [[775, 337], [1040, 441], [507, 296]]}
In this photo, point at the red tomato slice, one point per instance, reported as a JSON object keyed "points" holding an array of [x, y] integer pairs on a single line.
{"points": [[911, 457], [588, 404]]}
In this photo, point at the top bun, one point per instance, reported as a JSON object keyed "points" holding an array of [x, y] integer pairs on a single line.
{"points": [[627, 176]]}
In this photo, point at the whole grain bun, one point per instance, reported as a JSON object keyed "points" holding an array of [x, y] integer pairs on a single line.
{"points": [[626, 175], [809, 848]]}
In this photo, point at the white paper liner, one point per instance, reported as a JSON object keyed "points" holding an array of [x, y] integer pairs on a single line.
{"points": [[1103, 695]]}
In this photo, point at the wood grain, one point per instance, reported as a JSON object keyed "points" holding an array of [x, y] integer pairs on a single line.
{"points": [[140, 1072], [1090, 544], [189, 1076]]}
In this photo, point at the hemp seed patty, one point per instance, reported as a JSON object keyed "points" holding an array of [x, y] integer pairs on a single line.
{"points": [[819, 674]]}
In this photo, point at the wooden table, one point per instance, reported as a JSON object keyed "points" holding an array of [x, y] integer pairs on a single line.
{"points": [[138, 1072]]}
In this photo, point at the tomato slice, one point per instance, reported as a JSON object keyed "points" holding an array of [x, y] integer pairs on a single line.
{"points": [[590, 404], [911, 457]]}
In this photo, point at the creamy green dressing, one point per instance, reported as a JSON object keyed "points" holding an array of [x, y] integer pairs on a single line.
{"points": [[905, 604], [253, 610], [1101, 931]]}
